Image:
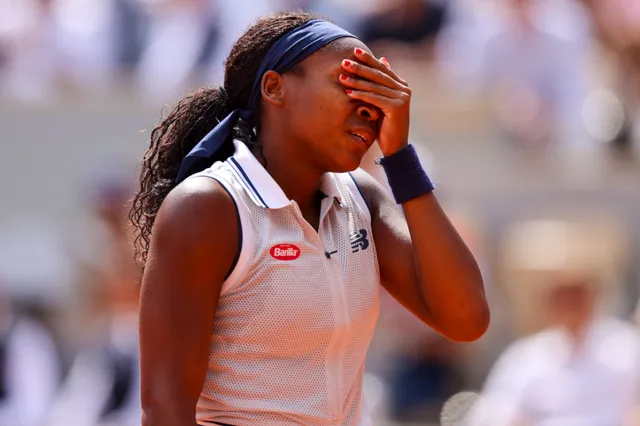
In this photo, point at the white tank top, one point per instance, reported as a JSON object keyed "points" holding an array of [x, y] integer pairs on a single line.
{"points": [[296, 315]]}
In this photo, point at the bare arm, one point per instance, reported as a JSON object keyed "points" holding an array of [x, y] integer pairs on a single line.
{"points": [[194, 243], [425, 265]]}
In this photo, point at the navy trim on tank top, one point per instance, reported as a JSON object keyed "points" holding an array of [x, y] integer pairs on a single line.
{"points": [[246, 178]]}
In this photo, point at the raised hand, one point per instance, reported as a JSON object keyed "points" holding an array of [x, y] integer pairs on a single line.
{"points": [[372, 80]]}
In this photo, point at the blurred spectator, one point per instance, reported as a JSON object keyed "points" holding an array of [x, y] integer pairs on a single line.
{"points": [[529, 57], [409, 22], [348, 14], [130, 33], [54, 44], [35, 277], [31, 57], [30, 363], [583, 369], [231, 20], [179, 35], [102, 387], [617, 24], [426, 374], [86, 37], [536, 80]]}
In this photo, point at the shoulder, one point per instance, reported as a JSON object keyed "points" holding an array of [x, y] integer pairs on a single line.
{"points": [[196, 207], [195, 237]]}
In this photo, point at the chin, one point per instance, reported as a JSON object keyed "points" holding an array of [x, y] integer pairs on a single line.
{"points": [[346, 163], [349, 158]]}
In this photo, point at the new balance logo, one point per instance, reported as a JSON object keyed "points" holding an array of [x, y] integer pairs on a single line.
{"points": [[359, 241]]}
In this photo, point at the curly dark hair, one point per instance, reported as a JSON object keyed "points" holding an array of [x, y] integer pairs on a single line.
{"points": [[196, 114]]}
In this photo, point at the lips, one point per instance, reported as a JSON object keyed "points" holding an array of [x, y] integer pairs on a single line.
{"points": [[365, 136]]}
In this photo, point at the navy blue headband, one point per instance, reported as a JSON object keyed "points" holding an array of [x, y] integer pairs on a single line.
{"points": [[287, 52]]}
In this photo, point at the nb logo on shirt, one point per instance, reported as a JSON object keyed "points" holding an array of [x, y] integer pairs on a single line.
{"points": [[359, 241]]}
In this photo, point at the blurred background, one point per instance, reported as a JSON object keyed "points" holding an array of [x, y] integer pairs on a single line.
{"points": [[526, 112]]}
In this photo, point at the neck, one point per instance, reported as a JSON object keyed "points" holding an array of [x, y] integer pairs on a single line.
{"points": [[288, 166]]}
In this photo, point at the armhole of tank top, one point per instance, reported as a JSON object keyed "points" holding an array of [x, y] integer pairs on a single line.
{"points": [[246, 241], [358, 196]]}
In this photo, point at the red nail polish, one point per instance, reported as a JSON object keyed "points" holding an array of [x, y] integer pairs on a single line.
{"points": [[348, 92], [343, 77], [347, 63], [359, 51]]}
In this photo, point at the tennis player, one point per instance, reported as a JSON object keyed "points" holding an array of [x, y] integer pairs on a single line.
{"points": [[265, 247]]}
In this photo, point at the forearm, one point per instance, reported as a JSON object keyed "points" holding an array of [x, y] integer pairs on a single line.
{"points": [[167, 413], [447, 273]]}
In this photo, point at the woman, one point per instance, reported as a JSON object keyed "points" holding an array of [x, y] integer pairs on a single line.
{"points": [[261, 286]]}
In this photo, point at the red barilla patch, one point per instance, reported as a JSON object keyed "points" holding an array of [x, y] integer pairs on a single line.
{"points": [[285, 252]]}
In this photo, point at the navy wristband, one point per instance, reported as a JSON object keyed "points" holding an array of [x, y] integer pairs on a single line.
{"points": [[405, 174]]}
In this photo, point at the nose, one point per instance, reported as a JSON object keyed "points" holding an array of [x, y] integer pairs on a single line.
{"points": [[368, 112]]}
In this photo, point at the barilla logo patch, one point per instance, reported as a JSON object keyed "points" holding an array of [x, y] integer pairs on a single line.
{"points": [[285, 252]]}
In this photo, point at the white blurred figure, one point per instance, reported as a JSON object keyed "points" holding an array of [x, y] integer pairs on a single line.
{"points": [[86, 40], [30, 367], [102, 387], [34, 273], [531, 57], [460, 47], [31, 62], [178, 33], [582, 369], [537, 79], [57, 44], [232, 18]]}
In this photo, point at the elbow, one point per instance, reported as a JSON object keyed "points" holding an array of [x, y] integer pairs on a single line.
{"points": [[471, 333], [154, 415], [152, 412], [472, 327], [161, 410], [474, 317]]}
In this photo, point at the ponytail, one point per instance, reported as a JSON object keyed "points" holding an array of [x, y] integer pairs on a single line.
{"points": [[171, 140], [197, 114]]}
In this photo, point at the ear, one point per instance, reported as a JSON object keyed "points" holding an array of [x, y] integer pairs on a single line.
{"points": [[272, 88]]}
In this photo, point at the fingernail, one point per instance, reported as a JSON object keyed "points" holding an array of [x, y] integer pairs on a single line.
{"points": [[343, 77], [348, 92], [359, 51], [347, 63]]}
